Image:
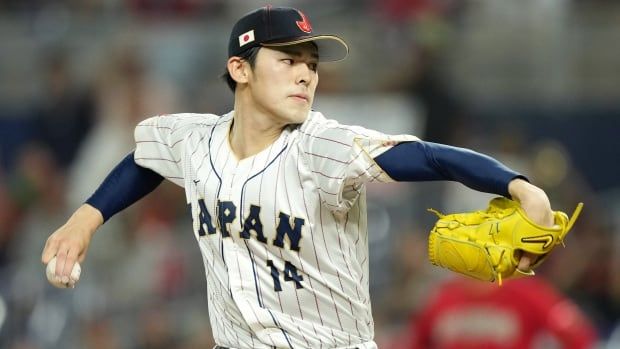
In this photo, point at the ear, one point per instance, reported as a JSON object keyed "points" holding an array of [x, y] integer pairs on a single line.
{"points": [[238, 69]]}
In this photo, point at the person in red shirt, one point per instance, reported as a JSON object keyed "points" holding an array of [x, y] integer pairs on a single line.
{"points": [[523, 313]]}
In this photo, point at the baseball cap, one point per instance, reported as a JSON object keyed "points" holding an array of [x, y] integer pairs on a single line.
{"points": [[282, 26]]}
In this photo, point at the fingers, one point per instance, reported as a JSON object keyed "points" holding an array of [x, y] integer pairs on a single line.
{"points": [[65, 260], [50, 250], [68, 248], [525, 262], [81, 257]]}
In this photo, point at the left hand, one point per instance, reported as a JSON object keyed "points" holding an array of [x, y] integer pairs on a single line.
{"points": [[536, 205]]}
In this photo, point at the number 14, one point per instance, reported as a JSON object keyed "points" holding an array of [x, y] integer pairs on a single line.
{"points": [[290, 274]]}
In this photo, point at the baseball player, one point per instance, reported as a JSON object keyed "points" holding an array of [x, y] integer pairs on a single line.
{"points": [[277, 192]]}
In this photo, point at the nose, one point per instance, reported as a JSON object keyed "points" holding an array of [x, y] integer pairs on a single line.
{"points": [[304, 74]]}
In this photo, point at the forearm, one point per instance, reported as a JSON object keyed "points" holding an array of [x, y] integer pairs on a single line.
{"points": [[425, 161], [124, 185]]}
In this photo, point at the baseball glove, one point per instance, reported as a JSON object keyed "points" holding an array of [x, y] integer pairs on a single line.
{"points": [[487, 245]]}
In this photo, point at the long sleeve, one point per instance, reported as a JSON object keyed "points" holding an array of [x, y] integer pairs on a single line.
{"points": [[426, 161]]}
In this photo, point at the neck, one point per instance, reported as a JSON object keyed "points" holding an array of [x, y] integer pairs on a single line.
{"points": [[252, 131]]}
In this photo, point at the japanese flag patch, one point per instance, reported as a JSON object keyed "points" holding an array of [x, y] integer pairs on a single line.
{"points": [[246, 38]]}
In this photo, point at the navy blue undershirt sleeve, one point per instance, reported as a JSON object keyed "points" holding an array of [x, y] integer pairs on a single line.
{"points": [[124, 185], [426, 161]]}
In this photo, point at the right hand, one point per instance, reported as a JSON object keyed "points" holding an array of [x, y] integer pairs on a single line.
{"points": [[536, 205], [69, 243]]}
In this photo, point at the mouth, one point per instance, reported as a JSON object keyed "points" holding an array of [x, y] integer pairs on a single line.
{"points": [[302, 97]]}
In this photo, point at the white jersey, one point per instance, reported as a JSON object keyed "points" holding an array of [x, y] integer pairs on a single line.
{"points": [[283, 233]]}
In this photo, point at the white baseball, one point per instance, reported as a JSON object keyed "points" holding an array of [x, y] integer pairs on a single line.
{"points": [[55, 280]]}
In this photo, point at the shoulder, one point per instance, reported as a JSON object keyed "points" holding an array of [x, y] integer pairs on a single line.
{"points": [[317, 122], [173, 128], [318, 130], [169, 120], [181, 124], [317, 126]]}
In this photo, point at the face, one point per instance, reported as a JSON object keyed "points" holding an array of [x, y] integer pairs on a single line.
{"points": [[283, 82]]}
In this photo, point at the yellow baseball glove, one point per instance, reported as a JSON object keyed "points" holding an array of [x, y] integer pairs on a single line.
{"points": [[486, 245]]}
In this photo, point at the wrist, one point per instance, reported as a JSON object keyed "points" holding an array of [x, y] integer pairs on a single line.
{"points": [[523, 191], [519, 189], [88, 218]]}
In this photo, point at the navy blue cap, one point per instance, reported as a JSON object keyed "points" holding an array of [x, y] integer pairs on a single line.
{"points": [[282, 26]]}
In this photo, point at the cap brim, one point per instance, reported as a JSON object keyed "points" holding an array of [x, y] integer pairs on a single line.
{"points": [[331, 48]]}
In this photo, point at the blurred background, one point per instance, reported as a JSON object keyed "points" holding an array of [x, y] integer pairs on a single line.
{"points": [[535, 83]]}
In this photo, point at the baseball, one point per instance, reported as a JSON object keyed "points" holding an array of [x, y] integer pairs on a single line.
{"points": [[56, 281]]}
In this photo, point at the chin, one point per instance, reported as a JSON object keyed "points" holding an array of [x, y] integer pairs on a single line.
{"points": [[297, 116], [300, 118]]}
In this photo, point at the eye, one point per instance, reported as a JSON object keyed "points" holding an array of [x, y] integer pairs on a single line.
{"points": [[288, 61], [313, 66]]}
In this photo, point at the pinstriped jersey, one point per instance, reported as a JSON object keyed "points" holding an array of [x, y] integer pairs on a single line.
{"points": [[283, 233]]}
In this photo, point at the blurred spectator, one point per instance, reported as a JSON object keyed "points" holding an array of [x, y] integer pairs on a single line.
{"points": [[99, 334], [404, 10], [10, 216], [36, 184], [589, 257], [126, 94], [175, 8], [523, 313], [155, 329], [36, 194], [67, 112]]}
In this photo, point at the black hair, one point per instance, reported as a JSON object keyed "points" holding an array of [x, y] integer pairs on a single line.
{"points": [[248, 55]]}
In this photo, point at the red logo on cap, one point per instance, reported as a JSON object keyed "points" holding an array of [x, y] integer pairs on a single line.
{"points": [[304, 24]]}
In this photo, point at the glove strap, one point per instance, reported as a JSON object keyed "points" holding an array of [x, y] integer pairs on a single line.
{"points": [[439, 214], [573, 218], [571, 222]]}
